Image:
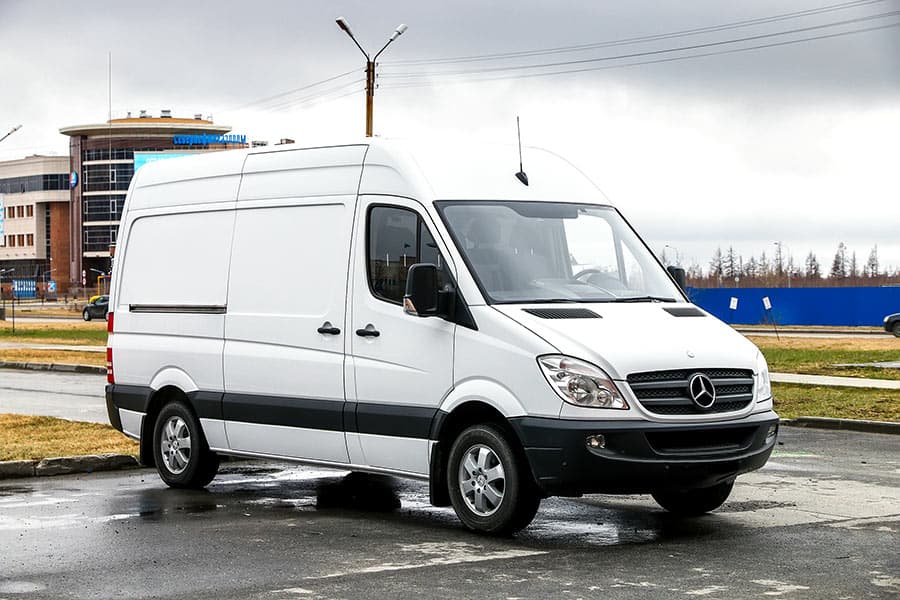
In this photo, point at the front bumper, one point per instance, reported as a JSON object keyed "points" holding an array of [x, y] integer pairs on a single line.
{"points": [[642, 456]]}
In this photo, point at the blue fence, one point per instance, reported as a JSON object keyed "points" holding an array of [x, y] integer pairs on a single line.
{"points": [[854, 306]]}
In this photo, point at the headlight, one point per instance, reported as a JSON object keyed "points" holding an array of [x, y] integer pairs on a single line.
{"points": [[763, 385], [581, 383]]}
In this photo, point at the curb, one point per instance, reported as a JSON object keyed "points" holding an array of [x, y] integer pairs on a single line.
{"points": [[66, 465], [61, 368], [860, 425]]}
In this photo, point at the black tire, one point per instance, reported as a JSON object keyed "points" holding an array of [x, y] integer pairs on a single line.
{"points": [[519, 498], [191, 465], [896, 329], [86, 315], [695, 502]]}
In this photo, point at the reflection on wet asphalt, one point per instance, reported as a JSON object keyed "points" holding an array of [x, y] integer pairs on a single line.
{"points": [[818, 522]]}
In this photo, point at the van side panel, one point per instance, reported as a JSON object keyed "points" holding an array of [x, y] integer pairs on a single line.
{"points": [[170, 303], [284, 379]]}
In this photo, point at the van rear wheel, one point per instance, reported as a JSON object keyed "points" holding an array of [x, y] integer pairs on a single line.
{"points": [[490, 486], [695, 502], [183, 459]]}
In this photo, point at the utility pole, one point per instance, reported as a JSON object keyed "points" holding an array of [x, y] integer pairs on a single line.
{"points": [[11, 131], [370, 67]]}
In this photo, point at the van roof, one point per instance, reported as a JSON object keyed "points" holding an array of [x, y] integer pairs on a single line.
{"points": [[427, 171]]}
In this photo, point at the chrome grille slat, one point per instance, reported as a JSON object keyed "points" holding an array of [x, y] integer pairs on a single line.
{"points": [[666, 392]]}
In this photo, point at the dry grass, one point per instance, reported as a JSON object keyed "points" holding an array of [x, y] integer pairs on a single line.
{"points": [[818, 356], [64, 357], [32, 438], [793, 401], [34, 311], [799, 343]]}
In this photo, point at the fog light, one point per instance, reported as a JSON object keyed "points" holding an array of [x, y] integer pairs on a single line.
{"points": [[596, 441], [772, 432]]}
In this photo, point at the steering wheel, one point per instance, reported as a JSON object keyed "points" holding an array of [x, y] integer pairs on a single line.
{"points": [[591, 271], [587, 272]]}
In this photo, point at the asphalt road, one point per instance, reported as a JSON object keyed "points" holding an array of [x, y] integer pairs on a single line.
{"points": [[822, 520], [76, 396]]}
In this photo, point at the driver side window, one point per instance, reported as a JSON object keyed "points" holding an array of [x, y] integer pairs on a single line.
{"points": [[397, 238]]}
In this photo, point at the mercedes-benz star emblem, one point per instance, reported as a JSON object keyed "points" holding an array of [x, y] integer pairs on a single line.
{"points": [[702, 390]]}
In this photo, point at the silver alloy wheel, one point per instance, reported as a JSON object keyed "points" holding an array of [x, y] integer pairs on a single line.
{"points": [[482, 480], [175, 444]]}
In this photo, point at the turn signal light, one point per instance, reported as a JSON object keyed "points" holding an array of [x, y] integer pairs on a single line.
{"points": [[110, 378]]}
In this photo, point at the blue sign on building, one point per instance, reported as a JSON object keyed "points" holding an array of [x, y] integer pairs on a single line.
{"points": [[205, 139], [25, 288]]}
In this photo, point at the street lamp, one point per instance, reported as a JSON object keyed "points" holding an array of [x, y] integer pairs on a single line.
{"points": [[99, 275], [11, 131], [370, 66]]}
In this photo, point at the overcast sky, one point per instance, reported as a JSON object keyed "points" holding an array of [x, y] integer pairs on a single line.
{"points": [[797, 142]]}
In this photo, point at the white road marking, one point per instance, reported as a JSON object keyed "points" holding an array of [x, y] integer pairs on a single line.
{"points": [[778, 588], [441, 554], [707, 590]]}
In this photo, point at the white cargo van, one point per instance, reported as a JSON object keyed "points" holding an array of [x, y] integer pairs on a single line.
{"points": [[422, 312]]}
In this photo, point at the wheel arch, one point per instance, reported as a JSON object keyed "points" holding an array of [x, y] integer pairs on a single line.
{"points": [[446, 428], [158, 399]]}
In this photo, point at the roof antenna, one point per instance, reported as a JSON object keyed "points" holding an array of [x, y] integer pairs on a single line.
{"points": [[521, 176]]}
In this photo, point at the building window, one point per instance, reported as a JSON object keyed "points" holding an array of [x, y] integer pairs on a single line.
{"points": [[11, 241], [102, 178], [21, 239], [29, 210], [20, 211], [10, 212], [103, 208], [29, 239], [34, 183]]}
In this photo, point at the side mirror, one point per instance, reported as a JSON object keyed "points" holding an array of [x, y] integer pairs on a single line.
{"points": [[677, 274], [421, 298]]}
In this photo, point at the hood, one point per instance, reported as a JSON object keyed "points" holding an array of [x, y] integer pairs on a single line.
{"points": [[627, 338]]}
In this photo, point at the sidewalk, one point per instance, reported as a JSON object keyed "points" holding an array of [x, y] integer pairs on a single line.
{"points": [[29, 346], [855, 382]]}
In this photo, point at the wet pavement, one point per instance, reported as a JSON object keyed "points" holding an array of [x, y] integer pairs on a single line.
{"points": [[822, 520]]}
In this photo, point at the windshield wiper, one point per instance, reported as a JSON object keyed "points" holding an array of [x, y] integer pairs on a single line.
{"points": [[645, 299]]}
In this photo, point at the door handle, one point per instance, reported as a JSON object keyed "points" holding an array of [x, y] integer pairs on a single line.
{"points": [[328, 329], [369, 331]]}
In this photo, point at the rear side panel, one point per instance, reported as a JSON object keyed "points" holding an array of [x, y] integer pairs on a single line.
{"points": [[284, 378]]}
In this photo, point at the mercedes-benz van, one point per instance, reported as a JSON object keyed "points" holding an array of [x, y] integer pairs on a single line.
{"points": [[422, 312]]}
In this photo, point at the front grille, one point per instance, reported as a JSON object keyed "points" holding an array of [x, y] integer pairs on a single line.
{"points": [[682, 442], [667, 393]]}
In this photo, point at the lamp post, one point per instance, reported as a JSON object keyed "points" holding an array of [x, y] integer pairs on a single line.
{"points": [[370, 66], [100, 274], [11, 131]]}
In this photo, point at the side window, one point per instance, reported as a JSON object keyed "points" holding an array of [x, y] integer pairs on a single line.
{"points": [[397, 239]]}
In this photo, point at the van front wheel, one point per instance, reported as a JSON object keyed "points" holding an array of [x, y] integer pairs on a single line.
{"points": [[182, 456], [490, 486], [695, 502]]}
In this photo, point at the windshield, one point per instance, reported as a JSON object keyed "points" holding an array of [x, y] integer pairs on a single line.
{"points": [[523, 252]]}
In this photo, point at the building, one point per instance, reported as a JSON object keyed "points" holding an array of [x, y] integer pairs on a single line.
{"points": [[34, 194], [103, 160]]}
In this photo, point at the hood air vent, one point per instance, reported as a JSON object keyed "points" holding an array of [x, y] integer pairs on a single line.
{"points": [[685, 311], [562, 313]]}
